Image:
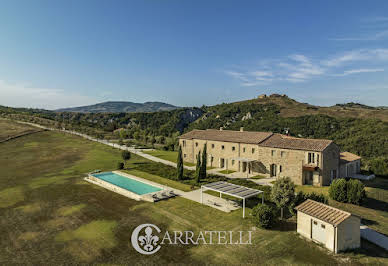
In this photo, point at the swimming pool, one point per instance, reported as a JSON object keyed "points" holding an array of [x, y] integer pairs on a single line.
{"points": [[127, 183]]}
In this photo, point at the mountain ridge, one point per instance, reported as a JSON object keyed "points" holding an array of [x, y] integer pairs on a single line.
{"points": [[120, 107]]}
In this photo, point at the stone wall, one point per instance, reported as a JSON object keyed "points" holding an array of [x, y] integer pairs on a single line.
{"points": [[350, 168], [289, 163], [330, 162]]}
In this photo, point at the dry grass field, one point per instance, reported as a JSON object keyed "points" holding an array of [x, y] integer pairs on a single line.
{"points": [[11, 129]]}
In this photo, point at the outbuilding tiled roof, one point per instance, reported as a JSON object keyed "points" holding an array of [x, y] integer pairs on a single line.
{"points": [[249, 137], [287, 142], [347, 157], [323, 212]]}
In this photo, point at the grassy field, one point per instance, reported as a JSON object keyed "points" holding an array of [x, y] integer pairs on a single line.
{"points": [[49, 215], [374, 211], [171, 156], [226, 172], [9, 129]]}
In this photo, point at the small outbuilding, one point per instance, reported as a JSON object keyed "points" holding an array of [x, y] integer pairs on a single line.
{"points": [[349, 164], [336, 229]]}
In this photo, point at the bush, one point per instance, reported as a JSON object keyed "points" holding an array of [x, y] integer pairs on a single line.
{"points": [[120, 166], [356, 191], [338, 190], [301, 197], [263, 216]]}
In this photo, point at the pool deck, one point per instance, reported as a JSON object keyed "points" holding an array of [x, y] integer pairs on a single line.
{"points": [[195, 195]]}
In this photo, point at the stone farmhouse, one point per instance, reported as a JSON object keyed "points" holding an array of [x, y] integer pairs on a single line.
{"points": [[306, 161]]}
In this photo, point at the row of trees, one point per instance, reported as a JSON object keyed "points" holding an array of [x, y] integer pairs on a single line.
{"points": [[200, 169]]}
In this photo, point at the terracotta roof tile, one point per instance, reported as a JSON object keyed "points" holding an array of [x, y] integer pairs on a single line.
{"points": [[265, 139], [249, 137], [287, 142], [323, 212], [347, 157]]}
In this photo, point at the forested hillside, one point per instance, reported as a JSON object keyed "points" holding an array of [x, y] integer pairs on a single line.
{"points": [[118, 107], [348, 124]]}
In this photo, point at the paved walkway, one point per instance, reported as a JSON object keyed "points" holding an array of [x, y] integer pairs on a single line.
{"points": [[264, 181], [212, 201], [374, 237]]}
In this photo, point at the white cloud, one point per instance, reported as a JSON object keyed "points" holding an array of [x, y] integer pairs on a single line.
{"points": [[297, 68], [20, 95], [357, 55], [361, 70]]}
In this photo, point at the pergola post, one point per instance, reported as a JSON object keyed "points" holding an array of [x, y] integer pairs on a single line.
{"points": [[262, 198], [201, 195], [243, 207], [220, 195]]}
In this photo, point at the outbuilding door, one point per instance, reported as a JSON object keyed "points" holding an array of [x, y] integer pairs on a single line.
{"points": [[318, 231]]}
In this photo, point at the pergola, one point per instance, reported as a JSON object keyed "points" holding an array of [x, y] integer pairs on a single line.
{"points": [[232, 190]]}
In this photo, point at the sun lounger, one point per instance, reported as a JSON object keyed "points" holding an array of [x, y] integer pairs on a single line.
{"points": [[155, 197]]}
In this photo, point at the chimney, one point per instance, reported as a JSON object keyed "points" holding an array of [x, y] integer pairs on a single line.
{"points": [[241, 129], [221, 128]]}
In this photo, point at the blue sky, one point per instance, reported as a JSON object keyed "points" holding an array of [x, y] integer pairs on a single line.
{"points": [[68, 53]]}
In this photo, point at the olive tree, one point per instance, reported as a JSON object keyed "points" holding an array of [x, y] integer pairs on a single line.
{"points": [[283, 193]]}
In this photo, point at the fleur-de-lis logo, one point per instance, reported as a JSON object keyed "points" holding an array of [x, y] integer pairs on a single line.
{"points": [[148, 242]]}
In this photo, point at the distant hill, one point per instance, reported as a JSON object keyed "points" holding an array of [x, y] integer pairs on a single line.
{"points": [[121, 107], [292, 108]]}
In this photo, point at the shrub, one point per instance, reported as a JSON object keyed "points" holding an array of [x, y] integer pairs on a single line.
{"points": [[355, 191], [120, 165], [300, 197], [338, 190], [317, 197], [263, 216]]}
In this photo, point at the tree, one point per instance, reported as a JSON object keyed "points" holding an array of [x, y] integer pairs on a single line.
{"points": [[120, 165], [180, 164], [126, 155], [283, 193], [198, 168], [355, 191], [204, 163], [338, 190], [263, 216]]}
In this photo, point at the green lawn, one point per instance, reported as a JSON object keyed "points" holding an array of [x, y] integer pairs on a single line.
{"points": [[374, 211], [257, 177], [226, 172], [51, 216], [160, 180], [171, 156]]}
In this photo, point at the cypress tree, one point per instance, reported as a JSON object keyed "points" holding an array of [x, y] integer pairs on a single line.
{"points": [[204, 162], [179, 164], [198, 168]]}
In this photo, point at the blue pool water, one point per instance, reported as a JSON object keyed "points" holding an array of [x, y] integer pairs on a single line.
{"points": [[127, 183]]}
